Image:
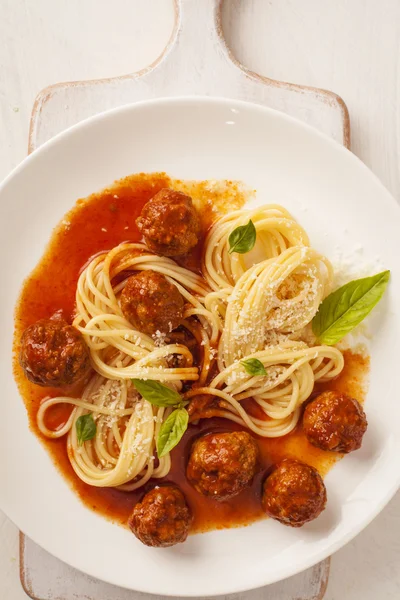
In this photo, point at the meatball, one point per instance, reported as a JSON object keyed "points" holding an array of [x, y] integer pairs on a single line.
{"points": [[151, 303], [169, 223], [53, 353], [294, 493], [162, 518], [221, 465], [334, 421]]}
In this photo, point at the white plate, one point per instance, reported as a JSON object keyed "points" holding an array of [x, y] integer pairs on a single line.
{"points": [[342, 206]]}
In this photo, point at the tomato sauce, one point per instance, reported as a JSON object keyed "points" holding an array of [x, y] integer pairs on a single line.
{"points": [[98, 223]]}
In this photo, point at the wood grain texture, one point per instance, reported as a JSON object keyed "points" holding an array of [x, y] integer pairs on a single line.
{"points": [[46, 578], [196, 61], [350, 46]]}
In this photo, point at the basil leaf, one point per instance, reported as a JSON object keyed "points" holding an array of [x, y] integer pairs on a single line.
{"points": [[253, 366], [156, 393], [85, 428], [243, 238], [171, 431], [345, 308]]}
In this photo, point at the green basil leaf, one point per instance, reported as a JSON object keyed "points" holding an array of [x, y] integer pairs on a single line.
{"points": [[156, 393], [85, 428], [171, 431], [253, 366], [243, 238], [345, 308]]}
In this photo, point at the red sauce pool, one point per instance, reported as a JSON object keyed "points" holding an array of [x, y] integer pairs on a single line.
{"points": [[98, 223]]}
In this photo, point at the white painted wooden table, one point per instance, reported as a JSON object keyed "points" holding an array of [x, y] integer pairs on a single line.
{"points": [[349, 46]]}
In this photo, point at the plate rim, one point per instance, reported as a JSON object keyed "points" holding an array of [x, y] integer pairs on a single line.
{"points": [[386, 197]]}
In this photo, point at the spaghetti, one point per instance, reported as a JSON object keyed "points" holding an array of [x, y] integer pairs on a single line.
{"points": [[252, 306]]}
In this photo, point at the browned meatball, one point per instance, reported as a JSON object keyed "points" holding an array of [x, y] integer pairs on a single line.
{"points": [[169, 223], [162, 518], [334, 421], [294, 493], [151, 303], [53, 353], [221, 465]]}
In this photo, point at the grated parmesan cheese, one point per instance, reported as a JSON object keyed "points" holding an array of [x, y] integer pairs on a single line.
{"points": [[159, 338]]}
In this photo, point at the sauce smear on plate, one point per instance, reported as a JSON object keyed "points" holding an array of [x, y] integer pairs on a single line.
{"points": [[97, 224]]}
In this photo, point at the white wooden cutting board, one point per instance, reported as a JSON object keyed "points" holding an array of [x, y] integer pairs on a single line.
{"points": [[196, 61]]}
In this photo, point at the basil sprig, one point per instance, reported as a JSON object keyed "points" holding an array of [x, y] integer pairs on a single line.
{"points": [[85, 428], [173, 428], [253, 366], [156, 393], [171, 431], [345, 308], [243, 238]]}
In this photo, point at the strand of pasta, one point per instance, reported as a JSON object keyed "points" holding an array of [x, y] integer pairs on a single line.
{"points": [[114, 458], [122, 452], [292, 368], [280, 294], [276, 231], [277, 287], [100, 319]]}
